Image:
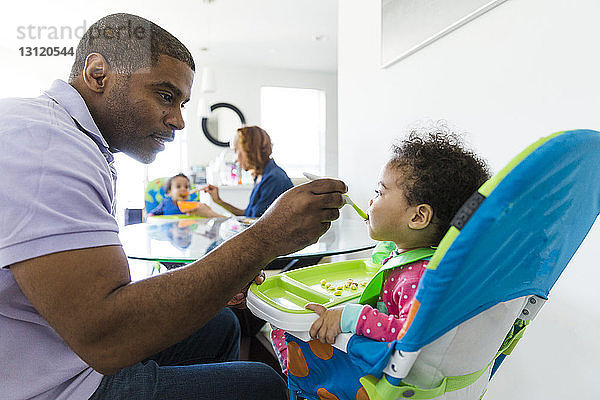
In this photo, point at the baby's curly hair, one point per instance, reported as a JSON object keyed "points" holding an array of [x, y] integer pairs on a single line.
{"points": [[439, 170]]}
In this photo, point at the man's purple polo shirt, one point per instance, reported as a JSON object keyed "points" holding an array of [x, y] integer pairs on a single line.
{"points": [[56, 194]]}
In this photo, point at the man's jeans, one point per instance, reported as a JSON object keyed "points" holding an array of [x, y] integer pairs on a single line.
{"points": [[199, 367]]}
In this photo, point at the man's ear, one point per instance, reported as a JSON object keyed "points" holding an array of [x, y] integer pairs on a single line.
{"points": [[95, 72], [422, 216]]}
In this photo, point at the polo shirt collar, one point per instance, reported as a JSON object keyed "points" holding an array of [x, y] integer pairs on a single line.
{"points": [[70, 99]]}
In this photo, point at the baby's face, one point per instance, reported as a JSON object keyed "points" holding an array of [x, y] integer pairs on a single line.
{"points": [[389, 212], [180, 188]]}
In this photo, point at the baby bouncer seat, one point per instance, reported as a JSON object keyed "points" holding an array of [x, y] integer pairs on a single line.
{"points": [[490, 275]]}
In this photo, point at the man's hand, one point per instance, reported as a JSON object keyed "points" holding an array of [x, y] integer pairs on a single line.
{"points": [[328, 326], [300, 216], [239, 300]]}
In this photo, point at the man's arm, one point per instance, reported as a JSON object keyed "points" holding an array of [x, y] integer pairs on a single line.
{"points": [[87, 295]]}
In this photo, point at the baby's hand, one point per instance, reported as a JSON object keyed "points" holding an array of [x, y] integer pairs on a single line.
{"points": [[327, 327]]}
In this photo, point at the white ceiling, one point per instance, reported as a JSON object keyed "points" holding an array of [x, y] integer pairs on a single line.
{"points": [[270, 33]]}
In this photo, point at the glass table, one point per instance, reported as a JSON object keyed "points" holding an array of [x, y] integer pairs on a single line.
{"points": [[183, 240]]}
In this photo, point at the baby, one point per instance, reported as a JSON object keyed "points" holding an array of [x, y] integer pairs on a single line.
{"points": [[427, 179], [177, 188]]}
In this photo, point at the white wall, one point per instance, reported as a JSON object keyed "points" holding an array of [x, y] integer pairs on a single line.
{"points": [[240, 86], [523, 70]]}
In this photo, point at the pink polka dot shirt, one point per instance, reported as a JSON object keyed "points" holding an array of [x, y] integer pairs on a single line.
{"points": [[396, 297]]}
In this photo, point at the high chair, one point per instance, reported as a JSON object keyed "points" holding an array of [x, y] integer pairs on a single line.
{"points": [[489, 277]]}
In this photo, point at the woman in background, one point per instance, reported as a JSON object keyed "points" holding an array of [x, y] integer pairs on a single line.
{"points": [[252, 146]]}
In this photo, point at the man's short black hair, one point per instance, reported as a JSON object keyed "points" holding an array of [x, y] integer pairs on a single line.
{"points": [[128, 43], [438, 171]]}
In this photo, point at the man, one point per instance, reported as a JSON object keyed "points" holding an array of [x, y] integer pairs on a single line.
{"points": [[72, 324]]}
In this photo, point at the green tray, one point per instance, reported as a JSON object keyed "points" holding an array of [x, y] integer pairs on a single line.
{"points": [[291, 291]]}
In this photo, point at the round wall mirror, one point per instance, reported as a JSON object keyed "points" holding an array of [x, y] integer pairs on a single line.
{"points": [[222, 123]]}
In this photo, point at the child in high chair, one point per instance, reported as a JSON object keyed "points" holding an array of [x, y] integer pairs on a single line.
{"points": [[177, 188], [422, 186]]}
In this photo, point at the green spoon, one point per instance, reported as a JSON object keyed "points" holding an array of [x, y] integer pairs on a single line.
{"points": [[347, 198]]}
